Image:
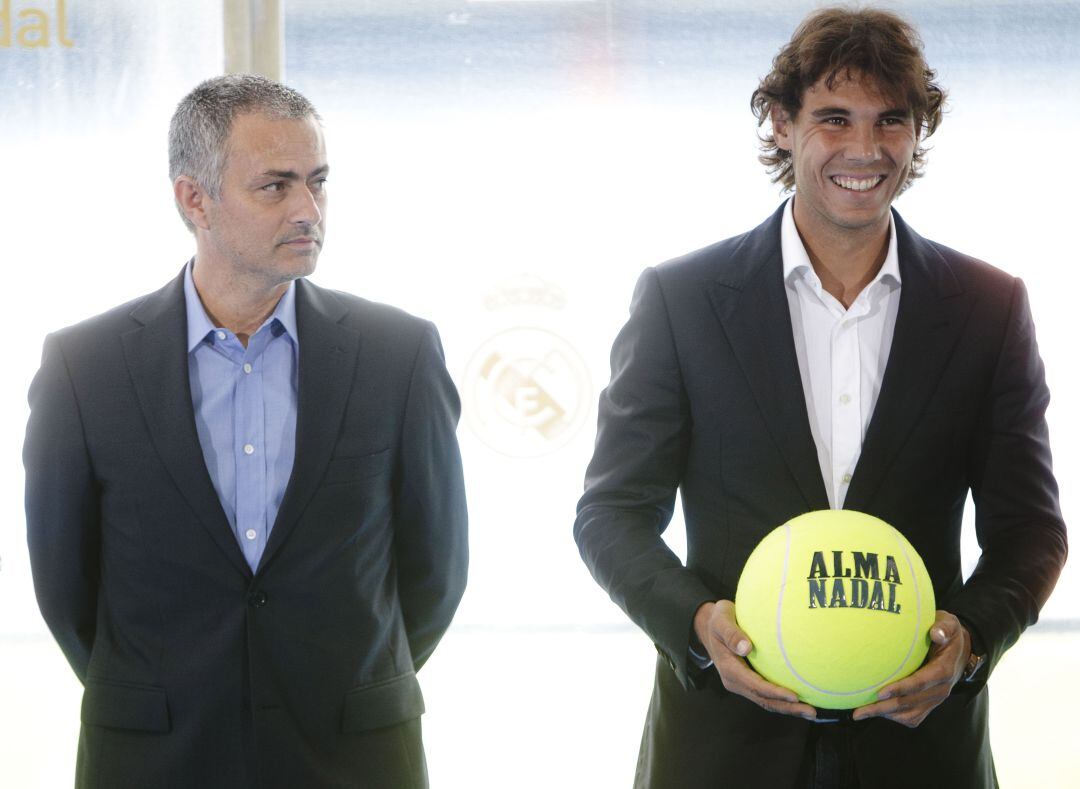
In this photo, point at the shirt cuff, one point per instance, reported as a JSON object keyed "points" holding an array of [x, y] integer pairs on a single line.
{"points": [[701, 661]]}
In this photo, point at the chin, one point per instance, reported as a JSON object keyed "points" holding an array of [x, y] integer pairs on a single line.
{"points": [[304, 271], [860, 218], [300, 265]]}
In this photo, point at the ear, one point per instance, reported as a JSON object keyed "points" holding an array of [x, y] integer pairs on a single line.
{"points": [[781, 128], [191, 198]]}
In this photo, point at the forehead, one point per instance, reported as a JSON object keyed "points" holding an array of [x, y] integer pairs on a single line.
{"points": [[853, 91], [263, 141]]}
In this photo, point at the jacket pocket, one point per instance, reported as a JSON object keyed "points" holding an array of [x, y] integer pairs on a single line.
{"points": [[382, 703], [125, 705]]}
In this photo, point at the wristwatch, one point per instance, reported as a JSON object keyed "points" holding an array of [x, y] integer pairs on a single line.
{"points": [[974, 663]]}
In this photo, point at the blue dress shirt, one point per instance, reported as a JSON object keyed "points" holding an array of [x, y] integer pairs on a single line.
{"points": [[245, 413]]}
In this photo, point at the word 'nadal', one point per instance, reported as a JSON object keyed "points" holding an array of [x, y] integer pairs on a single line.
{"points": [[859, 584]]}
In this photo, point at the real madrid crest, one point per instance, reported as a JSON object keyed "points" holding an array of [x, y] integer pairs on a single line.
{"points": [[526, 389]]}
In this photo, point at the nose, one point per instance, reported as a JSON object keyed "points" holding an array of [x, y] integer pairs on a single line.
{"points": [[307, 207], [864, 144]]}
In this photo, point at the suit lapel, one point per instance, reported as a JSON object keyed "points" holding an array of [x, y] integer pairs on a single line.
{"points": [[156, 357], [327, 366], [929, 320], [749, 299]]}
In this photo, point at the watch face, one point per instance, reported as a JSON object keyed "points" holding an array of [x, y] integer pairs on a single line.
{"points": [[973, 663]]}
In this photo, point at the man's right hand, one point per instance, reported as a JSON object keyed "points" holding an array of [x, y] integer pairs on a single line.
{"points": [[727, 645]]}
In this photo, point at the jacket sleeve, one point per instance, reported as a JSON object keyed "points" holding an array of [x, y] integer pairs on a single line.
{"points": [[430, 517], [62, 510], [1018, 521], [642, 438]]}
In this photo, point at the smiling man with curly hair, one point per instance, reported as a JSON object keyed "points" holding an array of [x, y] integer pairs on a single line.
{"points": [[829, 358]]}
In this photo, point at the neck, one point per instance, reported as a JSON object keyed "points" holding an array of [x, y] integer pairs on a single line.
{"points": [[239, 305], [847, 260]]}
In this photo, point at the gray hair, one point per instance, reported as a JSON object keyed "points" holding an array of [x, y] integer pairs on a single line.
{"points": [[199, 130]]}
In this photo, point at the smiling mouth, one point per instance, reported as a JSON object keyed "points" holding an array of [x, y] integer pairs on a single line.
{"points": [[857, 184]]}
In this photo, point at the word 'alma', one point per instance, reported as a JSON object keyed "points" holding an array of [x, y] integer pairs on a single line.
{"points": [[30, 27], [857, 585]]}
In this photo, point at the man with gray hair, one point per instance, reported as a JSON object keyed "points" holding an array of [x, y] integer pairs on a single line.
{"points": [[244, 496]]}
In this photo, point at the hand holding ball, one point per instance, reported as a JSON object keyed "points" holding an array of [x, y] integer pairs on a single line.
{"points": [[837, 604]]}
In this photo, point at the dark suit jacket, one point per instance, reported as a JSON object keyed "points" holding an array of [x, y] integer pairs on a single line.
{"points": [[705, 397], [199, 673]]}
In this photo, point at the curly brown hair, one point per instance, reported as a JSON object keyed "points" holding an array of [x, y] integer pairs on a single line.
{"points": [[832, 44]]}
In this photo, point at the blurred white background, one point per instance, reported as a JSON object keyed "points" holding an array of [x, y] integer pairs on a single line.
{"points": [[506, 169]]}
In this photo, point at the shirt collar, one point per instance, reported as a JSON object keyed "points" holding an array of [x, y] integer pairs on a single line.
{"points": [[797, 262], [199, 323]]}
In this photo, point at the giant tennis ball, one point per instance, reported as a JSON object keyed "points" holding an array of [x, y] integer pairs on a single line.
{"points": [[837, 604]]}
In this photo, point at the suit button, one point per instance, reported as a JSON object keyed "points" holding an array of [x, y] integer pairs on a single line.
{"points": [[257, 599]]}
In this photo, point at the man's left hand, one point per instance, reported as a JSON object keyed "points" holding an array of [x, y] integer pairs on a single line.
{"points": [[910, 700]]}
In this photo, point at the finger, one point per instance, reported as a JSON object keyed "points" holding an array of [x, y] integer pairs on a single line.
{"points": [[904, 707], [945, 629], [798, 710], [922, 680], [941, 635], [739, 678], [777, 699], [907, 711], [724, 626], [909, 717], [764, 689], [934, 678], [889, 708], [886, 707]]}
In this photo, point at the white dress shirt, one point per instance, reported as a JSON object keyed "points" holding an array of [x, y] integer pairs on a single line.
{"points": [[842, 353]]}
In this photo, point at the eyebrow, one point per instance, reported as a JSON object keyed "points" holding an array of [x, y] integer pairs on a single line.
{"points": [[292, 175], [895, 112]]}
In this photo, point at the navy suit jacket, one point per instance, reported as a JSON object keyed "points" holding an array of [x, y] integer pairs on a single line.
{"points": [[199, 672], [706, 398]]}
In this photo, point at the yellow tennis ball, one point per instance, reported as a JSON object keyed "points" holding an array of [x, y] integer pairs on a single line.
{"points": [[837, 604]]}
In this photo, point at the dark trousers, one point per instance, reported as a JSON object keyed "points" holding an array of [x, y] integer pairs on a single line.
{"points": [[828, 761]]}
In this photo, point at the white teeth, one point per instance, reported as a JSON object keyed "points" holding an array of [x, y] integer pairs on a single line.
{"points": [[857, 184]]}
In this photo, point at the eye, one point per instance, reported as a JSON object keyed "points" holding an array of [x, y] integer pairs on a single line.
{"points": [[836, 120], [318, 184], [276, 186]]}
